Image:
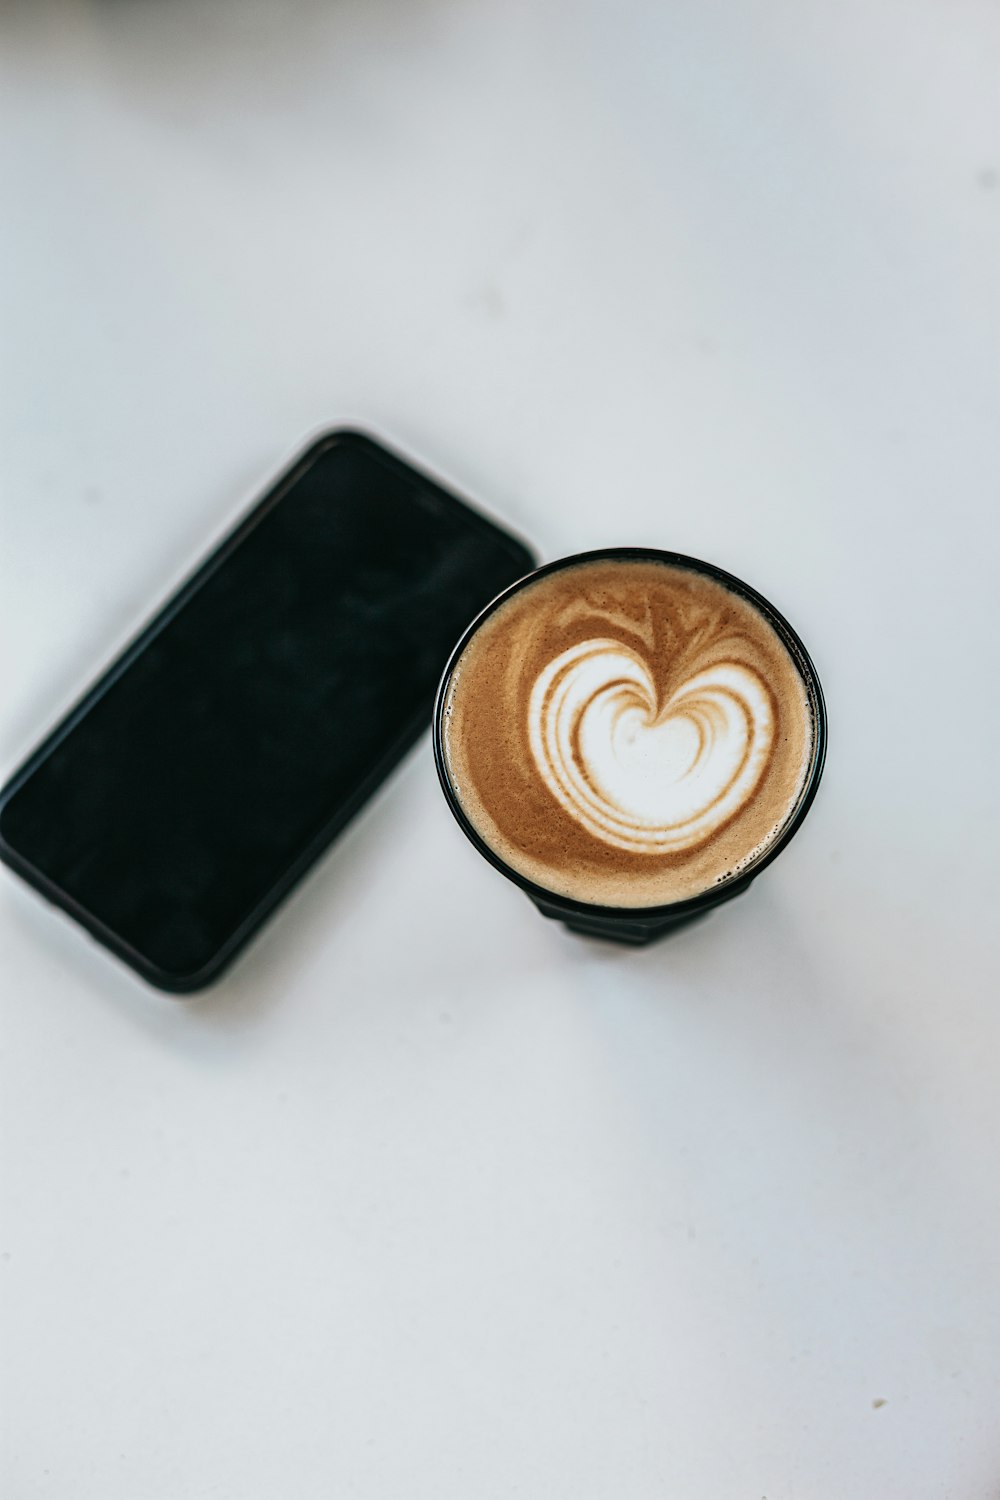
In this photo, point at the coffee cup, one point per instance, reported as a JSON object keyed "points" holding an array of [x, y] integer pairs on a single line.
{"points": [[631, 736]]}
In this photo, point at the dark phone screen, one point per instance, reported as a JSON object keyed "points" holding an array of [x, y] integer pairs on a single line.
{"points": [[260, 708]]}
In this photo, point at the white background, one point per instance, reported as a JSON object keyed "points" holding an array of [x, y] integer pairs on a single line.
{"points": [[429, 1200]]}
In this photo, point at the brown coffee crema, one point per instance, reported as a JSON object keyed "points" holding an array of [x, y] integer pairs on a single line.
{"points": [[627, 732]]}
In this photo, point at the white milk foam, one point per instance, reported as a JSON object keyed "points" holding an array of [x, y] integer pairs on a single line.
{"points": [[640, 777]]}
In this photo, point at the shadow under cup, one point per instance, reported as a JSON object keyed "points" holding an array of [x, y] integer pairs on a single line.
{"points": [[644, 924]]}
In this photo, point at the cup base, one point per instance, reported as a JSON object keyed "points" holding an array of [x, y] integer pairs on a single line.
{"points": [[633, 929]]}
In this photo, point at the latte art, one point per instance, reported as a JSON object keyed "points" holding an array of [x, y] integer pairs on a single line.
{"points": [[642, 779], [627, 732]]}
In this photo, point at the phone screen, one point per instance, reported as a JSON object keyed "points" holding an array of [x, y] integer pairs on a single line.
{"points": [[252, 717]]}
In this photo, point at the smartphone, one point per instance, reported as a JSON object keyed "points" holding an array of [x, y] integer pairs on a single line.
{"points": [[199, 778]]}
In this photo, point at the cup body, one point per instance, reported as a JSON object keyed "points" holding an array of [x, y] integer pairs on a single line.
{"points": [[644, 924]]}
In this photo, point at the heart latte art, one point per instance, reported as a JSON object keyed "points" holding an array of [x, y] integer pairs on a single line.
{"points": [[638, 777], [626, 732]]}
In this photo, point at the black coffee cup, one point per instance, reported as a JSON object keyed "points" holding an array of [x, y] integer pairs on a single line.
{"points": [[640, 925]]}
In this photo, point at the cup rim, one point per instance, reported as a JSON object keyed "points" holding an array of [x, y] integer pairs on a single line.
{"points": [[789, 637]]}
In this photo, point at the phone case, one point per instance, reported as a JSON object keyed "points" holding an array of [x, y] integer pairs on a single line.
{"points": [[394, 750]]}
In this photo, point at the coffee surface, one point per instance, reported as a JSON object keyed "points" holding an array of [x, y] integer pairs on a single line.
{"points": [[627, 732]]}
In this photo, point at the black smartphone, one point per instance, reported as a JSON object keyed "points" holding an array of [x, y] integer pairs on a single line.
{"points": [[196, 781]]}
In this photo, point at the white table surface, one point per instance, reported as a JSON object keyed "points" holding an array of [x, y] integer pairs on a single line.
{"points": [[428, 1200]]}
